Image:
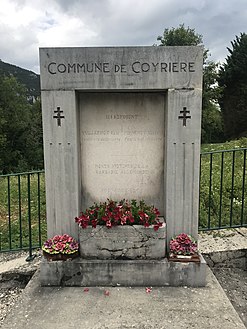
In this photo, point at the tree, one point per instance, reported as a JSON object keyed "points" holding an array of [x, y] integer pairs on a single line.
{"points": [[212, 127], [34, 136], [18, 144], [180, 37], [233, 78], [212, 123]]}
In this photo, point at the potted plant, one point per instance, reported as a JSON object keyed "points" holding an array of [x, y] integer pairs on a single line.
{"points": [[122, 230], [60, 247], [183, 248]]}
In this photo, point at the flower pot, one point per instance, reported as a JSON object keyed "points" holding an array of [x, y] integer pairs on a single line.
{"points": [[63, 257], [123, 242], [184, 258]]}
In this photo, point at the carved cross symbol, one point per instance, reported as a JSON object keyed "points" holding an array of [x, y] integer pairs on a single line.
{"points": [[184, 116], [58, 111]]}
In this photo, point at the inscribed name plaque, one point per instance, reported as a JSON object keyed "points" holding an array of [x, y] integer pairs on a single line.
{"points": [[122, 147]]}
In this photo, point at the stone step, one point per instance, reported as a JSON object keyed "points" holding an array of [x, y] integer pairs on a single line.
{"points": [[81, 272]]}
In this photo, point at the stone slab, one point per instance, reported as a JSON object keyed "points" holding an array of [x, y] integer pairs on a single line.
{"points": [[123, 242], [105, 68], [80, 272], [122, 152], [124, 307]]}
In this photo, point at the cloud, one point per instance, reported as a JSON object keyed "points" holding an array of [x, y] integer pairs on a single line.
{"points": [[27, 25]]}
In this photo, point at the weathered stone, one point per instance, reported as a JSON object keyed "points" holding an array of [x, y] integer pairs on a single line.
{"points": [[122, 152], [122, 122], [82, 272], [123, 242]]}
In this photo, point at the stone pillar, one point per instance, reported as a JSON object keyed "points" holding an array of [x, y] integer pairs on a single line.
{"points": [[61, 153], [182, 160]]}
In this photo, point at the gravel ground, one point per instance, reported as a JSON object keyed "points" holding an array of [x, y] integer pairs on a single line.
{"points": [[12, 283], [8, 297], [234, 283], [232, 280]]}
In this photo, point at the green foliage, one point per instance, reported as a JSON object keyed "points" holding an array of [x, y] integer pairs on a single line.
{"points": [[229, 145], [233, 78], [15, 208], [222, 203], [212, 125], [20, 129], [180, 36], [34, 137]]}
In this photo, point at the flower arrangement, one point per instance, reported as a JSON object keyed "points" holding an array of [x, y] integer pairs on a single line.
{"points": [[61, 244], [124, 212], [183, 244]]}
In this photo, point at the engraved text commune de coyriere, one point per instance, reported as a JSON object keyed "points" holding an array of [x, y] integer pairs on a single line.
{"points": [[135, 67]]}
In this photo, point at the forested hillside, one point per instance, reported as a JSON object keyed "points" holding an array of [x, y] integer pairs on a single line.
{"points": [[28, 78]]}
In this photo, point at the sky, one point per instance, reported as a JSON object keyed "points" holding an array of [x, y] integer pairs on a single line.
{"points": [[26, 25]]}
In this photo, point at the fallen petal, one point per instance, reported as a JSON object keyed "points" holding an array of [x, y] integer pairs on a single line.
{"points": [[106, 292]]}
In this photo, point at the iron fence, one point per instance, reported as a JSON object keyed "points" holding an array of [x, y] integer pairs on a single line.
{"points": [[223, 189], [22, 211], [222, 200]]}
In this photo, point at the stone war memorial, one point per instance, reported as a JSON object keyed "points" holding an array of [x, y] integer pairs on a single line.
{"points": [[122, 123]]}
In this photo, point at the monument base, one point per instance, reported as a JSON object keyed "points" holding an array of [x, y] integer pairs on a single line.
{"points": [[85, 273]]}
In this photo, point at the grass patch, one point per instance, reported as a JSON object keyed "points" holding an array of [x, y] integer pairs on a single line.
{"points": [[223, 185], [22, 197]]}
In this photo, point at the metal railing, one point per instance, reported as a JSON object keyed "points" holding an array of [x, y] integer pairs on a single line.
{"points": [[223, 189], [22, 211], [222, 200]]}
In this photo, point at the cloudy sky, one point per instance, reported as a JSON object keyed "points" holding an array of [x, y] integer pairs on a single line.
{"points": [[26, 25]]}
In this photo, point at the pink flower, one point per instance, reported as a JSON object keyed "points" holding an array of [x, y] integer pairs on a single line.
{"points": [[56, 238], [48, 243], [109, 224], [123, 220], [59, 246], [148, 290], [183, 244]]}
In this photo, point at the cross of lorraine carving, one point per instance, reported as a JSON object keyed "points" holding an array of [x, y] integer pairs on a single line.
{"points": [[184, 115], [58, 116]]}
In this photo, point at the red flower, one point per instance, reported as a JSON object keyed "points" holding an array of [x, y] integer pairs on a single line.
{"points": [[112, 213], [94, 223], [156, 211], [148, 290], [157, 226]]}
